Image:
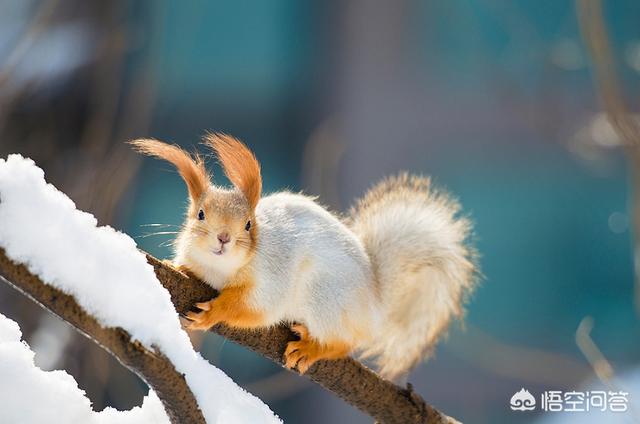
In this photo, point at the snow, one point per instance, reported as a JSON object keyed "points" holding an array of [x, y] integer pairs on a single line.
{"points": [[31, 395], [107, 275]]}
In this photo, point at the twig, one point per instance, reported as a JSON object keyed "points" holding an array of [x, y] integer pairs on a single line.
{"points": [[594, 32], [600, 365], [153, 367]]}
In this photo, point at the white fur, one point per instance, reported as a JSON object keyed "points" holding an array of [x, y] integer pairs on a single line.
{"points": [[417, 246], [311, 268], [212, 269]]}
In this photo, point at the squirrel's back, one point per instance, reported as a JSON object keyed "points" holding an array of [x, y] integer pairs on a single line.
{"points": [[421, 261], [311, 266]]}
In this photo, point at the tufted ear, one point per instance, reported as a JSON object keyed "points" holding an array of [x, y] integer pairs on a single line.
{"points": [[239, 164], [191, 170]]}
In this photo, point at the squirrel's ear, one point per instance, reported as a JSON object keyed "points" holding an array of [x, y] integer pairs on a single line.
{"points": [[191, 170], [239, 164]]}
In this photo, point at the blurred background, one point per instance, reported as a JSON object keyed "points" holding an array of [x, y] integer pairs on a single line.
{"points": [[495, 99]]}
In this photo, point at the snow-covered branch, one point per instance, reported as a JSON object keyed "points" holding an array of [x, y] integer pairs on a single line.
{"points": [[153, 367]]}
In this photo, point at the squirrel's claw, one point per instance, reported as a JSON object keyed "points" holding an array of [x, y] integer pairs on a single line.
{"points": [[297, 352], [197, 322], [303, 353], [292, 354], [304, 364], [202, 320], [205, 306], [299, 355]]}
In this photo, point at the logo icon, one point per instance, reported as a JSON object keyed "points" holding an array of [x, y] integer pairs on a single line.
{"points": [[523, 401]]}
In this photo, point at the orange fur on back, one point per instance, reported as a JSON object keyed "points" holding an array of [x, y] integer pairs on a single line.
{"points": [[239, 165], [191, 170]]}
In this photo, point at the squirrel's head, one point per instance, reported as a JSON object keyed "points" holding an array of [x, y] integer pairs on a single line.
{"points": [[220, 231]]}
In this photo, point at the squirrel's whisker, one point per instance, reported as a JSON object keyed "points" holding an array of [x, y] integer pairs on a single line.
{"points": [[159, 233]]}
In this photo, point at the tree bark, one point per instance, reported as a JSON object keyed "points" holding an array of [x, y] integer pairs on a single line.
{"points": [[346, 378], [151, 366]]}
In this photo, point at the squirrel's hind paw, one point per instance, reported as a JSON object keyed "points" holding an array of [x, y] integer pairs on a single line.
{"points": [[307, 351]]}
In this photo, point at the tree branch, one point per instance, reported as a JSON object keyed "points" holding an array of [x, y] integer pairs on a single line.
{"points": [[347, 378], [153, 367]]}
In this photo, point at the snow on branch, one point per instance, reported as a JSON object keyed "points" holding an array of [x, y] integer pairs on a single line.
{"points": [[153, 368], [51, 248], [31, 395]]}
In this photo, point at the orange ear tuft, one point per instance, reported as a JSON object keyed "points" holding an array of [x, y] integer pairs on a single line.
{"points": [[191, 170], [240, 165]]}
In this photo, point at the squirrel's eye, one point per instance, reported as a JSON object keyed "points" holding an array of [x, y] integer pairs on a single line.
{"points": [[201, 215], [248, 226]]}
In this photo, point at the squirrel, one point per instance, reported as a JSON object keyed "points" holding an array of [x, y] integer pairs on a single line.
{"points": [[383, 282]]}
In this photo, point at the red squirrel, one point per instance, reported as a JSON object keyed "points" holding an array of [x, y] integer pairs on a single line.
{"points": [[384, 282]]}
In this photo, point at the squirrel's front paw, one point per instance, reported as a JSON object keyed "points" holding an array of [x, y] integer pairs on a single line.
{"points": [[203, 320]]}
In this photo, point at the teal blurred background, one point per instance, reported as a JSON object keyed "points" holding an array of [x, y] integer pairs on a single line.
{"points": [[493, 99]]}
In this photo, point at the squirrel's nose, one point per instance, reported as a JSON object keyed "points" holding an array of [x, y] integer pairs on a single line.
{"points": [[224, 237]]}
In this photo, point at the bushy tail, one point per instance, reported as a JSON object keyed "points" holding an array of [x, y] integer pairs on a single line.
{"points": [[422, 264]]}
